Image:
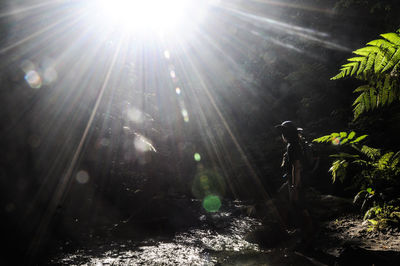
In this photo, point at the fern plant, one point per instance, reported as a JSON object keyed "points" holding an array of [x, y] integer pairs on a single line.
{"points": [[374, 162], [378, 63], [375, 171]]}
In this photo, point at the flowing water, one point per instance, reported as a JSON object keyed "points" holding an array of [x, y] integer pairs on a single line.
{"points": [[219, 240]]}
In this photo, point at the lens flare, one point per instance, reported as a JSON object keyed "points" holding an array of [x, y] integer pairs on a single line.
{"points": [[33, 79], [197, 157], [212, 203], [82, 177], [336, 141]]}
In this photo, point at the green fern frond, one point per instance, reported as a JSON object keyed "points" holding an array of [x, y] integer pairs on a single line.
{"points": [[379, 55], [344, 155], [392, 61], [366, 101], [323, 139], [371, 153], [392, 37], [396, 160], [367, 50], [370, 62], [338, 170], [383, 162], [380, 93], [381, 43], [351, 135], [340, 138], [360, 138]]}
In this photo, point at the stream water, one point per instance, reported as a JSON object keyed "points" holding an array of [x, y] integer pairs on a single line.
{"points": [[220, 239]]}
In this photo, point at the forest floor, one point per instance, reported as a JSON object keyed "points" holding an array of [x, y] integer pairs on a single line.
{"points": [[352, 230], [237, 235]]}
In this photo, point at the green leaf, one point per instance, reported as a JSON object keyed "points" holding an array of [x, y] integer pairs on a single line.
{"points": [[360, 138], [392, 61], [392, 37], [384, 160], [323, 139], [366, 51], [370, 62], [339, 76], [371, 153], [362, 88], [344, 155], [362, 66], [358, 196], [379, 61], [380, 43], [351, 135], [338, 170], [356, 59]]}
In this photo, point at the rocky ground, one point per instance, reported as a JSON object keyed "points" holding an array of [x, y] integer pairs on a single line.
{"points": [[241, 234]]}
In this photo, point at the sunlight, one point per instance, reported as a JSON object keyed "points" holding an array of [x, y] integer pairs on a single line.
{"points": [[144, 15]]}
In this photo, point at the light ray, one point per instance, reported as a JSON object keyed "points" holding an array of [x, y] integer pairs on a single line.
{"points": [[295, 6], [60, 191], [305, 33], [37, 33], [19, 10]]}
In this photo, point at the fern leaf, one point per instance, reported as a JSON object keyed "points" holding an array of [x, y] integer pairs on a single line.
{"points": [[362, 66], [366, 51], [392, 37], [371, 153], [354, 69], [356, 59], [350, 68], [381, 97], [344, 155], [393, 60], [391, 95], [360, 138], [372, 98], [369, 99], [363, 88], [380, 43], [379, 63], [351, 135], [384, 160], [323, 139], [338, 76], [366, 100], [338, 170], [396, 160], [358, 107], [370, 61]]}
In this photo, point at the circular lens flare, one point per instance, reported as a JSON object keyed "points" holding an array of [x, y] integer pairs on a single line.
{"points": [[212, 203]]}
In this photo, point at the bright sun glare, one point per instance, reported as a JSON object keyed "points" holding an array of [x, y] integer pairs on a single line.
{"points": [[144, 14]]}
